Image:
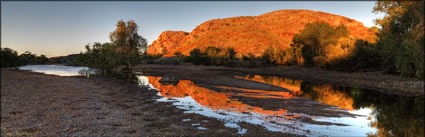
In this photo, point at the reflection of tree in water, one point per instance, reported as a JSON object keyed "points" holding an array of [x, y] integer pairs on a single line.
{"points": [[328, 94], [395, 116]]}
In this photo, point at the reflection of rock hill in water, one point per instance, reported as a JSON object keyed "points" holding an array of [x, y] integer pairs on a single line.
{"points": [[208, 98], [293, 85], [253, 93], [391, 115], [325, 94]]}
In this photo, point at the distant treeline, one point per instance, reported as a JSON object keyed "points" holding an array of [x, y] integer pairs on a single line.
{"points": [[65, 60], [10, 58]]}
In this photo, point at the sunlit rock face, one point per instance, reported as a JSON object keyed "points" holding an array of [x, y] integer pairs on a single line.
{"points": [[253, 34], [166, 41]]}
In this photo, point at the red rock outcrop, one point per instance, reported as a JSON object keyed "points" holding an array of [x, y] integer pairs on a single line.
{"points": [[253, 34], [166, 41]]}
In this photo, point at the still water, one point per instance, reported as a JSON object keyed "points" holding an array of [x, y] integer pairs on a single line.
{"points": [[373, 113], [57, 69], [349, 111]]}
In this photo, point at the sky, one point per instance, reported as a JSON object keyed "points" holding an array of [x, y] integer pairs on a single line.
{"points": [[62, 28]]}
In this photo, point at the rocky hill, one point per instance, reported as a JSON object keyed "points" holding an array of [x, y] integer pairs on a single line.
{"points": [[166, 41], [252, 34]]}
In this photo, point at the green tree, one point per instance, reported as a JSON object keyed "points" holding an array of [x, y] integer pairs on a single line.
{"points": [[228, 55], [27, 58], [178, 55], [100, 56], [212, 55], [364, 56], [128, 44], [195, 55], [401, 40], [9, 57], [315, 39], [42, 59], [273, 55], [278, 56]]}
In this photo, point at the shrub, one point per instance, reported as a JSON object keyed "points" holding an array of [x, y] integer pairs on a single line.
{"points": [[363, 57], [402, 56], [274, 56], [178, 55], [229, 53], [320, 61], [9, 57], [292, 56], [249, 57], [195, 56], [307, 54], [187, 59], [268, 55], [410, 59], [277, 56], [149, 59], [251, 61], [212, 56], [100, 56]]}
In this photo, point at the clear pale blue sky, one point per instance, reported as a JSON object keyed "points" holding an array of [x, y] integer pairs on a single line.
{"points": [[61, 28]]}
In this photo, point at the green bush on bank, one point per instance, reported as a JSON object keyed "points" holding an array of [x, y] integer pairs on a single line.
{"points": [[100, 56], [364, 57], [277, 56], [212, 56], [149, 59]]}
